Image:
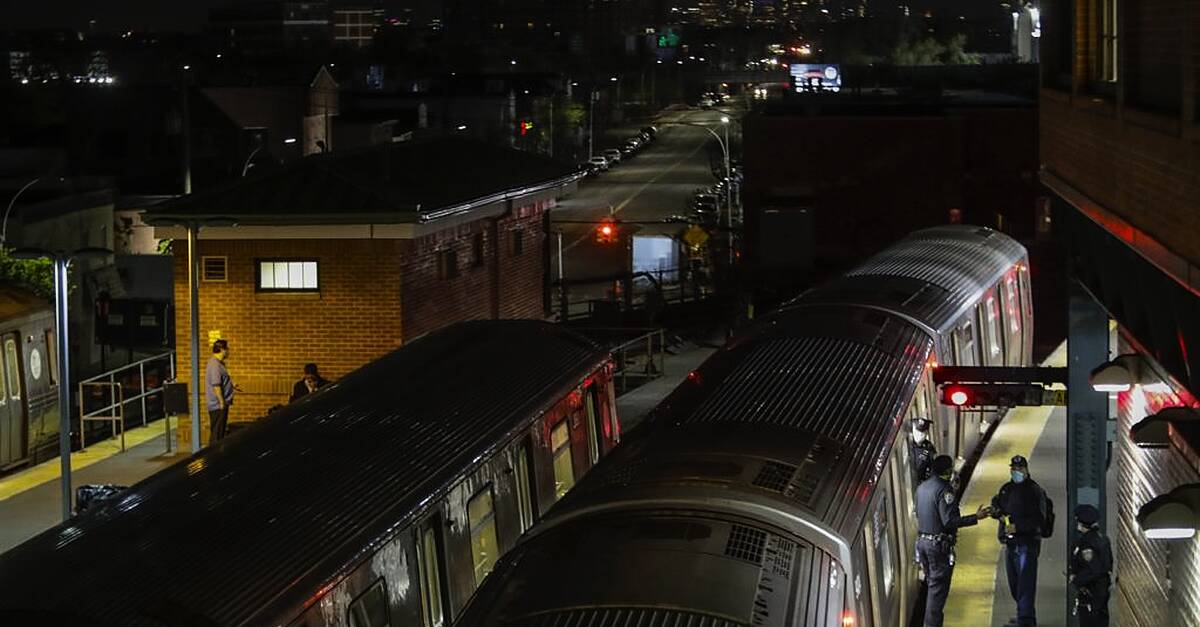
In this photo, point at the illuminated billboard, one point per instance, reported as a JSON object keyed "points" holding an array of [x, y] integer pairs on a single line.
{"points": [[811, 77]]}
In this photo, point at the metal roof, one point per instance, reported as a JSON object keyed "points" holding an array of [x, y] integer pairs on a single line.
{"points": [[269, 515], [932, 275], [844, 376], [389, 183]]}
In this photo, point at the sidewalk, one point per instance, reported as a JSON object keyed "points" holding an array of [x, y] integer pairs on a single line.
{"points": [[633, 407], [979, 593], [31, 500]]}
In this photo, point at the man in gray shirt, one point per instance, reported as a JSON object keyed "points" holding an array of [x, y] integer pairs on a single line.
{"points": [[218, 390]]}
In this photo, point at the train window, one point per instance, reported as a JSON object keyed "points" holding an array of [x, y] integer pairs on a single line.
{"points": [[14, 369], [3, 386], [564, 472], [525, 487], [51, 357], [994, 329], [370, 609], [883, 544], [484, 546], [431, 578], [1012, 303], [964, 344], [594, 443]]}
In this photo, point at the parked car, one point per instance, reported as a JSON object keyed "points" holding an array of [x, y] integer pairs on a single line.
{"points": [[613, 155], [600, 162]]}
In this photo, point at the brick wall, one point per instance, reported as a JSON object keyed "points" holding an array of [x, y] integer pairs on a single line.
{"points": [[354, 318], [506, 285], [1134, 151]]}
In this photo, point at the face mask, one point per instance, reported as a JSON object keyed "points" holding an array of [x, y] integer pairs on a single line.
{"points": [[1018, 476], [1082, 527], [919, 436]]}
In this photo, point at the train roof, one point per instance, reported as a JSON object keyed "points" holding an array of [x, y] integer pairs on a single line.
{"points": [[932, 275], [825, 389], [305, 493]]}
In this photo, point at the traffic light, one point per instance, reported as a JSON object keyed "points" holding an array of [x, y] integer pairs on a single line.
{"points": [[606, 232], [994, 394]]}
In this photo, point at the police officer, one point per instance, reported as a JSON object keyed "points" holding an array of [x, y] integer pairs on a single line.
{"points": [[938, 522], [1091, 567], [923, 450], [1022, 506]]}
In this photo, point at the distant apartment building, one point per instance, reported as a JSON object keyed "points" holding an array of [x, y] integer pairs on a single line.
{"points": [[355, 25], [267, 27]]}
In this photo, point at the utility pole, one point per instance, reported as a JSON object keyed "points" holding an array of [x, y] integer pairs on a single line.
{"points": [[591, 118]]}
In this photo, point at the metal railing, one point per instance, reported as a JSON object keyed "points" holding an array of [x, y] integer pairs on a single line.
{"points": [[585, 298], [638, 359], [122, 386]]}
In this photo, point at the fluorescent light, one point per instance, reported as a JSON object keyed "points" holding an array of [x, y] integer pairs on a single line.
{"points": [[290, 140], [1169, 533]]}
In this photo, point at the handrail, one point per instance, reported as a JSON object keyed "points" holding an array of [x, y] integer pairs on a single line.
{"points": [[115, 410]]}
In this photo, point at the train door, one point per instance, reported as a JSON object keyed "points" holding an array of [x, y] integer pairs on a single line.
{"points": [[1026, 313], [429, 558], [595, 440], [12, 410], [1010, 296], [966, 353]]}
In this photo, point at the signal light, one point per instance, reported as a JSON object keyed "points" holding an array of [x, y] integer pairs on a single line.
{"points": [[606, 233], [958, 397], [848, 619]]}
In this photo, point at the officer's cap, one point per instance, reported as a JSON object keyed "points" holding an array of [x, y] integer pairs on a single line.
{"points": [[1087, 514], [1019, 461], [941, 464], [922, 424]]}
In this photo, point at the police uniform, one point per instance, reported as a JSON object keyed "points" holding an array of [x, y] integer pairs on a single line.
{"points": [[922, 453], [938, 522], [1024, 506], [1091, 568]]}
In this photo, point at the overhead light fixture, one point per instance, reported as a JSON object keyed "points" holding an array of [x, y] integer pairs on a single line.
{"points": [[1122, 373], [1171, 516], [1154, 431]]}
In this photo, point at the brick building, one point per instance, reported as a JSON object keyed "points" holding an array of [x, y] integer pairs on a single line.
{"points": [[1119, 149], [340, 258]]}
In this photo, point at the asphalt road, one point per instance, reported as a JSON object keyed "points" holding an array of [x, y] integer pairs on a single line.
{"points": [[640, 192]]}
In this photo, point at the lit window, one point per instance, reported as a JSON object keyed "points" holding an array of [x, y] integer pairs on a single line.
{"points": [[484, 546], [564, 472], [431, 579], [1107, 69], [287, 276]]}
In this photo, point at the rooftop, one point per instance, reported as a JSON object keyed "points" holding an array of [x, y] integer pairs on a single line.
{"points": [[402, 182]]}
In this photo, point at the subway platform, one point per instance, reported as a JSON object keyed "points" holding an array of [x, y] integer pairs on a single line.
{"points": [[979, 594], [31, 499]]}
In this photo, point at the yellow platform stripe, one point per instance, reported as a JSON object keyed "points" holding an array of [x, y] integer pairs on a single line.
{"points": [[50, 470], [972, 591]]}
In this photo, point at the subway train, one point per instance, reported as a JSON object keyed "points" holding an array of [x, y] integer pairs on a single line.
{"points": [[773, 487], [384, 499], [28, 378]]}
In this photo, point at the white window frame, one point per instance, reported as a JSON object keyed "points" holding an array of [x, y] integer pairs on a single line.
{"points": [[301, 275]]}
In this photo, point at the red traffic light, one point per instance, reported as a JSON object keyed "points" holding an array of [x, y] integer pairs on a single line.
{"points": [[606, 233], [957, 396]]}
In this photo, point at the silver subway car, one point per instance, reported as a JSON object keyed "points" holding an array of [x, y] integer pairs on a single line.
{"points": [[773, 487]]}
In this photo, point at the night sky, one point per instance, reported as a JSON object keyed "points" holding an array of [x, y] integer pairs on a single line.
{"points": [[118, 15]]}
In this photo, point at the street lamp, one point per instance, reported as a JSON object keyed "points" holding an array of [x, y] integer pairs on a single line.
{"points": [[11, 202], [193, 226], [62, 260]]}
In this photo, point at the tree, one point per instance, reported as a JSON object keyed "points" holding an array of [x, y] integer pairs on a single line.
{"points": [[34, 275]]}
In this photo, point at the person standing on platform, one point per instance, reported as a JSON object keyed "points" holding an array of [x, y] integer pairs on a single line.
{"points": [[1091, 568], [923, 450], [938, 522], [219, 390], [309, 383], [1026, 516]]}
